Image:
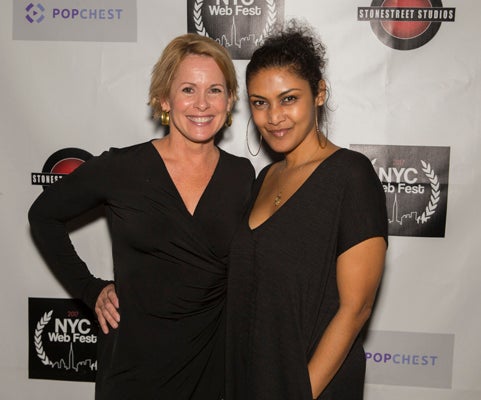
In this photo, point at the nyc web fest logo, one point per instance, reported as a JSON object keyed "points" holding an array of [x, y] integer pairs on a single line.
{"points": [[62, 340], [415, 180], [238, 25], [405, 24], [59, 164]]}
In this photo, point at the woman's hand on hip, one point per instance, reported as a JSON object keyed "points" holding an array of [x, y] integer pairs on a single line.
{"points": [[106, 308]]}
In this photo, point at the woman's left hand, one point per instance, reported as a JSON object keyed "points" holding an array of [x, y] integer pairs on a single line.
{"points": [[106, 308]]}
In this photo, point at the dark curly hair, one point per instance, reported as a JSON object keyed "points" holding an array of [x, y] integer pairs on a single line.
{"points": [[294, 46]]}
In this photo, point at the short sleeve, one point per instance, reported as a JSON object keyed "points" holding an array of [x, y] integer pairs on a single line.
{"points": [[363, 208]]}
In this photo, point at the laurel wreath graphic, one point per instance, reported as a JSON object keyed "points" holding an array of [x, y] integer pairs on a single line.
{"points": [[435, 194], [38, 337], [271, 19], [199, 23], [430, 209]]}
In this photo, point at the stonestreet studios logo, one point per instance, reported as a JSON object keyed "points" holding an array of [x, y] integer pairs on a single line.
{"points": [[405, 24], [239, 25], [409, 359], [59, 164], [415, 180], [71, 20], [62, 340]]}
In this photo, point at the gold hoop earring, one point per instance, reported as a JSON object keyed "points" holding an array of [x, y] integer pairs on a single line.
{"points": [[228, 120], [247, 140], [165, 118]]}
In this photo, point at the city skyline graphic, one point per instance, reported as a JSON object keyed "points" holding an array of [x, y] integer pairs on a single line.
{"points": [[71, 364], [236, 39], [411, 215]]}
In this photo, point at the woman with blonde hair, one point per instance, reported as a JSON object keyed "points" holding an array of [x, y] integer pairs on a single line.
{"points": [[172, 206]]}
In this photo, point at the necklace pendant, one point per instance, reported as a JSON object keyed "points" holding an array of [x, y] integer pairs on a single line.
{"points": [[277, 200]]}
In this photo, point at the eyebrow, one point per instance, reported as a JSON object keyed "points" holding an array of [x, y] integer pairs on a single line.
{"points": [[279, 95], [194, 84]]}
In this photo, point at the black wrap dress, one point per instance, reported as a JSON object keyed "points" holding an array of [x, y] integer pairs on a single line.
{"points": [[282, 290], [169, 266]]}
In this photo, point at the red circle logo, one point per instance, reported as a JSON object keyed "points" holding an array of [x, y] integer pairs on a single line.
{"points": [[406, 24], [406, 29], [66, 166]]}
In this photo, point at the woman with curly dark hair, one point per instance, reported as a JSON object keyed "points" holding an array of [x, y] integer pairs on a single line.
{"points": [[307, 260]]}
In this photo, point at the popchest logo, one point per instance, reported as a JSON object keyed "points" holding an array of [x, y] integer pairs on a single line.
{"points": [[62, 340], [35, 13], [238, 25], [59, 164], [409, 358], [405, 24], [63, 20], [415, 180]]}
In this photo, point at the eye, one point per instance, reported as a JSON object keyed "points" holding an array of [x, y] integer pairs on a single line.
{"points": [[259, 104], [288, 99], [216, 90], [188, 89]]}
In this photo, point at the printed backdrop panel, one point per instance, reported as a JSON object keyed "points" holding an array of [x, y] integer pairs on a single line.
{"points": [[405, 87]]}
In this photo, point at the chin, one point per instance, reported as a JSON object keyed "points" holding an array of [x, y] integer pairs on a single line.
{"points": [[280, 148], [202, 138]]}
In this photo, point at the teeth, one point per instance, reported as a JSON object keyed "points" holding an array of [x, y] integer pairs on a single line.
{"points": [[280, 133], [200, 119]]}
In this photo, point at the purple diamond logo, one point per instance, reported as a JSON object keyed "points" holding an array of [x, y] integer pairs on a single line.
{"points": [[35, 13]]}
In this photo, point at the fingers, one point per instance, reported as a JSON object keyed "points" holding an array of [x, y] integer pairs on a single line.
{"points": [[106, 308]]}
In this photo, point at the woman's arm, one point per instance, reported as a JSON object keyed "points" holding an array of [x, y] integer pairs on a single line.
{"points": [[77, 193], [359, 271]]}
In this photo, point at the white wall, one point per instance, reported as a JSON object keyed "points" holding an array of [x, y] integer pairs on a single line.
{"points": [[92, 95]]}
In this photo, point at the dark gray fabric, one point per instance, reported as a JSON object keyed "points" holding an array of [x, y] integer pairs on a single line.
{"points": [[282, 289]]}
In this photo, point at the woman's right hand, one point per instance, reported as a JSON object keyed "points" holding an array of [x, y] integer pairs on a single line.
{"points": [[106, 308]]}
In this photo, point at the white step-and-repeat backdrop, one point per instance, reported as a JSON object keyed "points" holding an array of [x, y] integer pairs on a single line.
{"points": [[405, 83]]}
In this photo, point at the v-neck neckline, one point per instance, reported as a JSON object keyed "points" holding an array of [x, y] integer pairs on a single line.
{"points": [[174, 187], [290, 199]]}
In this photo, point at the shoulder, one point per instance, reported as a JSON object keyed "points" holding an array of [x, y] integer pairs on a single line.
{"points": [[351, 158], [115, 162], [118, 156], [129, 151], [352, 164], [351, 174]]}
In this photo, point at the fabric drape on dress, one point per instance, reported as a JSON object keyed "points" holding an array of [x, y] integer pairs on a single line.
{"points": [[169, 266]]}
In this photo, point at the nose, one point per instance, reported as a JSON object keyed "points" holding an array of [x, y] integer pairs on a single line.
{"points": [[201, 102], [275, 115]]}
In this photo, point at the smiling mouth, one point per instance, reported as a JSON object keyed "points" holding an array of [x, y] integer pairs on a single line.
{"points": [[278, 133], [200, 120]]}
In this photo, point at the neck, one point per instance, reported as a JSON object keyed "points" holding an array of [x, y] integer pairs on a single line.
{"points": [[308, 151], [182, 148]]}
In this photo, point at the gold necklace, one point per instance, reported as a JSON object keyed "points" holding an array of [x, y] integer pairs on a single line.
{"points": [[278, 198]]}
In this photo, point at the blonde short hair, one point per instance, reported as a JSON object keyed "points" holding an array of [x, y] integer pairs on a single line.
{"points": [[164, 70]]}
